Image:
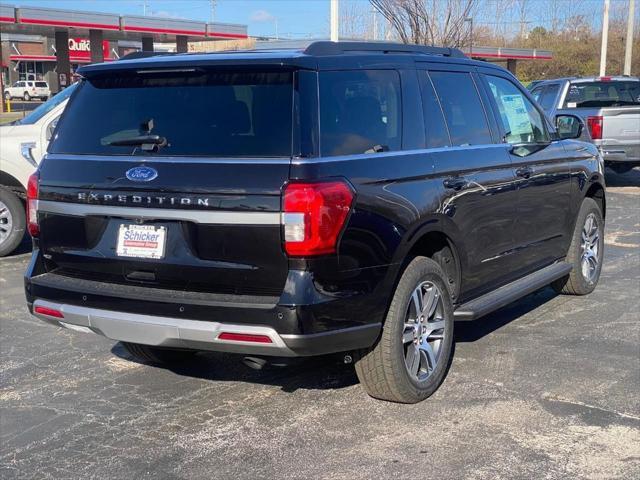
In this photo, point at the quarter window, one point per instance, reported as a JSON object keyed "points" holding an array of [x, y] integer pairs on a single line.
{"points": [[462, 108], [360, 112], [521, 121]]}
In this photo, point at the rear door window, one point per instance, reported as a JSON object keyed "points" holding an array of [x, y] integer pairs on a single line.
{"points": [[548, 98], [436, 128], [200, 113], [610, 93], [462, 108], [360, 112]]}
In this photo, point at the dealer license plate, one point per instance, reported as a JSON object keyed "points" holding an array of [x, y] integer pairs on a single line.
{"points": [[141, 241]]}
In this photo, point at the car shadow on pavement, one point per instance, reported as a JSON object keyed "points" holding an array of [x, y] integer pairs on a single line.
{"points": [[628, 179], [472, 331], [308, 373], [328, 371]]}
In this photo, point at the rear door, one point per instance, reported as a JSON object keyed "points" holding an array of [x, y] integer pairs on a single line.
{"points": [[206, 198], [477, 180], [543, 172]]}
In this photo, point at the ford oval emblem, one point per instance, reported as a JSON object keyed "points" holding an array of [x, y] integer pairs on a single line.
{"points": [[141, 174]]}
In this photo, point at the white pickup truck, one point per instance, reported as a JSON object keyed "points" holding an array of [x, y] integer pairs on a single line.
{"points": [[22, 145], [609, 108]]}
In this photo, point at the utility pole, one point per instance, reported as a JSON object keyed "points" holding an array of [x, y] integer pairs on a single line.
{"points": [[605, 38], [374, 12], [628, 47], [335, 25], [213, 11]]}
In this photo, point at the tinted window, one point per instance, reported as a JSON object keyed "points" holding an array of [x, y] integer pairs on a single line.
{"points": [[200, 113], [462, 108], [548, 98], [603, 94], [359, 110], [536, 93], [41, 84], [522, 122], [47, 106], [437, 135]]}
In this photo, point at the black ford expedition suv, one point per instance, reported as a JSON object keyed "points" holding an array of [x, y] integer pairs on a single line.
{"points": [[349, 197]]}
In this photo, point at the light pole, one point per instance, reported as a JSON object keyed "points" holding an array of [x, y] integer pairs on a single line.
{"points": [[605, 38], [334, 20], [629, 43]]}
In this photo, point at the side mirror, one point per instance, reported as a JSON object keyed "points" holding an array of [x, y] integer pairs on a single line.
{"points": [[568, 126]]}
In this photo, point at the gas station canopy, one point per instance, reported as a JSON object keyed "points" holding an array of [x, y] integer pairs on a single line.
{"points": [[46, 21]]}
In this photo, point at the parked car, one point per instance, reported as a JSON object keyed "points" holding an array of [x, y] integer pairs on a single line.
{"points": [[28, 89], [349, 197], [22, 144], [608, 106]]}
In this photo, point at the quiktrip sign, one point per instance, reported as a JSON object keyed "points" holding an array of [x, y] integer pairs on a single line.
{"points": [[80, 49]]}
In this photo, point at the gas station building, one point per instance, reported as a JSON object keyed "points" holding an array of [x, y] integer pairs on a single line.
{"points": [[49, 44]]}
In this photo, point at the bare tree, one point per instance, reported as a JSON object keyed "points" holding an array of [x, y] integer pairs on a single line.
{"points": [[428, 22]]}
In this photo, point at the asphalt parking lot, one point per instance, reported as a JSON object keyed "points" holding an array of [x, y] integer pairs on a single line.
{"points": [[545, 388]]}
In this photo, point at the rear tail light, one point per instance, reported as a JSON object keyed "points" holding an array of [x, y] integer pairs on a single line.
{"points": [[244, 337], [49, 312], [595, 127], [32, 205], [314, 215]]}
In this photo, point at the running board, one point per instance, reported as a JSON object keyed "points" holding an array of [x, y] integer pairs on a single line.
{"points": [[512, 291]]}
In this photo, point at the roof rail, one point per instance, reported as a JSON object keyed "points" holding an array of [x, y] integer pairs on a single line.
{"points": [[325, 48]]}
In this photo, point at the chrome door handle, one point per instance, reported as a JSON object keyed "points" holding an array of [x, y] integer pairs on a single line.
{"points": [[455, 183]]}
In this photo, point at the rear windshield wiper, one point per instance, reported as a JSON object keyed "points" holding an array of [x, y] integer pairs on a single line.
{"points": [[146, 142]]}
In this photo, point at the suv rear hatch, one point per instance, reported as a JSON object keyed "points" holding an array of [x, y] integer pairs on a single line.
{"points": [[171, 179]]}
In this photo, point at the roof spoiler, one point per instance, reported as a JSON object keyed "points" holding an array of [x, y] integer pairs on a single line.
{"points": [[325, 48]]}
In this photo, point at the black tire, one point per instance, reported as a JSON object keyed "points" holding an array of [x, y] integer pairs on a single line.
{"points": [[576, 283], [158, 355], [381, 369], [18, 219], [26, 96], [7, 96]]}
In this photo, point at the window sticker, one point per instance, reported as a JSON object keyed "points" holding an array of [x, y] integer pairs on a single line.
{"points": [[517, 115]]}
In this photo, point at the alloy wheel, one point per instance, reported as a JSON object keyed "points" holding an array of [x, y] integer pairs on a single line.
{"points": [[424, 330], [6, 223], [590, 248]]}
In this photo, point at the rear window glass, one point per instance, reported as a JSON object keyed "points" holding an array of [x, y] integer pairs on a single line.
{"points": [[360, 112], [41, 84], [603, 94], [462, 108], [233, 114]]}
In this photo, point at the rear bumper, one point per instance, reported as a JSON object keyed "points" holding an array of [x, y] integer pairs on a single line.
{"points": [[620, 153], [303, 321], [199, 335]]}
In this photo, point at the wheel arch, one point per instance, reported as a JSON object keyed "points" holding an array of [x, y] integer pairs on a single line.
{"points": [[597, 192], [12, 183]]}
